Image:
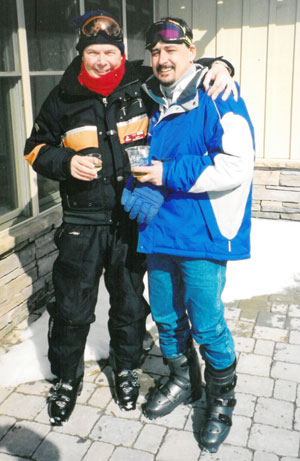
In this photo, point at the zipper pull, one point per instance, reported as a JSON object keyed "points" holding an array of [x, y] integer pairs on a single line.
{"points": [[105, 102]]}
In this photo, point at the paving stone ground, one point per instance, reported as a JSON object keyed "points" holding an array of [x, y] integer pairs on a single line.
{"points": [[266, 423]]}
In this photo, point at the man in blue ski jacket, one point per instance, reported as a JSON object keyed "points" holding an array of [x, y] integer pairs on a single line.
{"points": [[194, 209]]}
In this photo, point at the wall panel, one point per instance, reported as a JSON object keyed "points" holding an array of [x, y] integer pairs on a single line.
{"points": [[161, 8], [181, 9], [279, 78], [254, 64], [229, 32], [295, 125], [204, 23]]}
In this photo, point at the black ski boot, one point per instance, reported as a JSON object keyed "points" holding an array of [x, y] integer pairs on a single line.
{"points": [[183, 386], [126, 389], [62, 399], [220, 400]]}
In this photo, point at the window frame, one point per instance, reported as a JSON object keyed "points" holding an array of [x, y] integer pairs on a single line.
{"points": [[17, 120]]}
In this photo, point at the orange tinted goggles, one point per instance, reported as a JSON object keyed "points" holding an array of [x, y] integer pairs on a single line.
{"points": [[102, 25]]}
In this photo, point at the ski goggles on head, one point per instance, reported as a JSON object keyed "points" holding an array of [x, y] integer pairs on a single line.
{"points": [[167, 31], [103, 25]]}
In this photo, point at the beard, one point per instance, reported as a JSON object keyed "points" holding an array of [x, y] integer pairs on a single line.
{"points": [[169, 83], [162, 79]]}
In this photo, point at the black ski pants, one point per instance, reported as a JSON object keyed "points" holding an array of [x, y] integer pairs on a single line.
{"points": [[85, 252]]}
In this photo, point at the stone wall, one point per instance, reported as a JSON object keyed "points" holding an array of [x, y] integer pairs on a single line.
{"points": [[276, 191], [26, 258]]}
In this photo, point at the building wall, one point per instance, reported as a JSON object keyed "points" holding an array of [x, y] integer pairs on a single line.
{"points": [[27, 254], [276, 190]]}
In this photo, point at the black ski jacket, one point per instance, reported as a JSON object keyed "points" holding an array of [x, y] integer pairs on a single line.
{"points": [[74, 120]]}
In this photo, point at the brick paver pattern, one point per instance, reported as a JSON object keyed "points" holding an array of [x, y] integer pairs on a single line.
{"points": [[266, 422]]}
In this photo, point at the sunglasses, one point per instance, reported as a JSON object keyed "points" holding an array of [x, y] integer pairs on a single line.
{"points": [[102, 25], [167, 31]]}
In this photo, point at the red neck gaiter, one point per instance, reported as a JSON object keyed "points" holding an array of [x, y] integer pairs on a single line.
{"points": [[105, 84]]}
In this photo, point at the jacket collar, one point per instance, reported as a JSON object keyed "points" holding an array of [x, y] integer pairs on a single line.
{"points": [[134, 72], [187, 100]]}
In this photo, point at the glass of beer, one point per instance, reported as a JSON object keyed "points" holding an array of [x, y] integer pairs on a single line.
{"points": [[138, 156], [97, 160]]}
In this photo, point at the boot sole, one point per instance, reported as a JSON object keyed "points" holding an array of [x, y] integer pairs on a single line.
{"points": [[208, 449], [124, 408], [80, 388]]}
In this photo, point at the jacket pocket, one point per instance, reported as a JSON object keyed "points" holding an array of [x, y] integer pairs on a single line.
{"points": [[211, 223], [88, 196], [134, 129]]}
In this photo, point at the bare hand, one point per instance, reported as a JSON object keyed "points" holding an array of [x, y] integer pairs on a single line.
{"points": [[221, 81], [83, 168], [153, 173]]}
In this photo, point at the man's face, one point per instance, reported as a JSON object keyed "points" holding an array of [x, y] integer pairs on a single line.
{"points": [[100, 59], [171, 60]]}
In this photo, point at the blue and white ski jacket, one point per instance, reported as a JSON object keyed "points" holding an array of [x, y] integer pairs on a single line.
{"points": [[208, 149]]}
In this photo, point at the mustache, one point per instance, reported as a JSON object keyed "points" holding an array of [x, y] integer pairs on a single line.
{"points": [[159, 67]]}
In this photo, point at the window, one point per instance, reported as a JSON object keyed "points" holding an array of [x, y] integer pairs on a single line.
{"points": [[136, 28], [11, 124], [114, 7], [50, 35], [8, 189], [51, 47], [8, 29]]}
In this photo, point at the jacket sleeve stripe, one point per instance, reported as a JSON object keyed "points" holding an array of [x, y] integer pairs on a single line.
{"points": [[81, 138], [30, 158], [234, 164]]}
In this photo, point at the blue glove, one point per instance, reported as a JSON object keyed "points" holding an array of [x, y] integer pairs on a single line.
{"points": [[127, 192], [144, 202]]}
